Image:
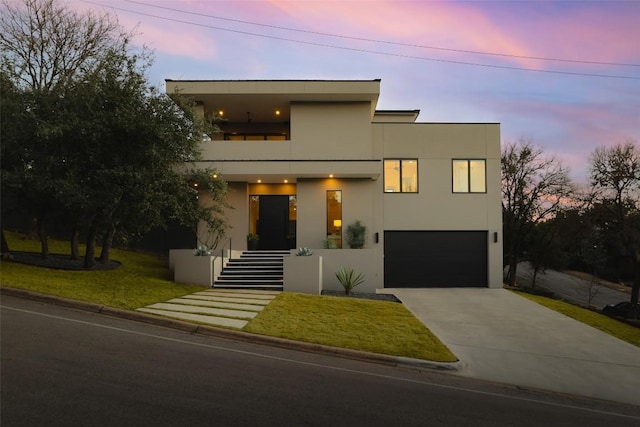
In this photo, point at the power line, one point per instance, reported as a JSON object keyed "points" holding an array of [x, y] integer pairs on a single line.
{"points": [[352, 49], [475, 52]]}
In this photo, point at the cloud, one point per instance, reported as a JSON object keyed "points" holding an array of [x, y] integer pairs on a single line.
{"points": [[518, 29], [430, 24], [164, 36], [569, 130]]}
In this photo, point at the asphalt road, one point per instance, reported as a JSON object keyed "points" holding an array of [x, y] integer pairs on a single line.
{"points": [[570, 288], [62, 367]]}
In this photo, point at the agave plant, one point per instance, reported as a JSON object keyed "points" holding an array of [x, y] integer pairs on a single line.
{"points": [[203, 251], [304, 252], [349, 278]]}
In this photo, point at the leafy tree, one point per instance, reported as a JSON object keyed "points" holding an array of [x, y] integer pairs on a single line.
{"points": [[102, 153], [615, 180], [17, 126], [127, 139], [534, 189], [45, 46]]}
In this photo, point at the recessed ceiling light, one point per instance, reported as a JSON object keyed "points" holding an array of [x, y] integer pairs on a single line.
{"points": [[331, 176], [259, 181], [286, 180], [277, 112]]}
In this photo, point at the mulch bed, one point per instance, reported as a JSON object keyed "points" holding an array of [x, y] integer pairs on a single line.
{"points": [[59, 262], [363, 295]]}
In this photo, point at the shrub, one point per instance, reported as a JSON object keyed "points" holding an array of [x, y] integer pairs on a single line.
{"points": [[356, 233], [329, 244]]}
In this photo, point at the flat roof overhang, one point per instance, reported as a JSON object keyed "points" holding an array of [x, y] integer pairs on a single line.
{"points": [[260, 99], [276, 171]]}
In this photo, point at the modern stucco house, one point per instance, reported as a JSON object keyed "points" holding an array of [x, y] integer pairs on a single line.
{"points": [[306, 158]]}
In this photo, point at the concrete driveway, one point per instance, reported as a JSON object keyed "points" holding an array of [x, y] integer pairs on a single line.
{"points": [[501, 336]]}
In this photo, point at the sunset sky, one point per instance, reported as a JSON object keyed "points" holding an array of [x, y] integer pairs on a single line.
{"points": [[562, 74]]}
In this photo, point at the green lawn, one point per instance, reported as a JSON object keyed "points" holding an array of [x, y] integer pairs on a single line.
{"points": [[378, 326], [599, 321], [143, 279]]}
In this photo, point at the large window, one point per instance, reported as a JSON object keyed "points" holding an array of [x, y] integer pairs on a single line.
{"points": [[469, 176], [401, 176]]}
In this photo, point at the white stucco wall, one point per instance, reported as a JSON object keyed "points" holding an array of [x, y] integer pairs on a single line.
{"points": [[331, 131]]}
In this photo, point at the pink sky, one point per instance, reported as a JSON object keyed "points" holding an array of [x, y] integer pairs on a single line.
{"points": [[567, 115]]}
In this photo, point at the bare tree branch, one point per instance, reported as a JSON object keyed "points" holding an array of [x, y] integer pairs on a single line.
{"points": [[534, 188], [44, 44]]}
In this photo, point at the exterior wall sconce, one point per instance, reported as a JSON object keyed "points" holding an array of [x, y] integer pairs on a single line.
{"points": [[495, 237], [376, 237]]}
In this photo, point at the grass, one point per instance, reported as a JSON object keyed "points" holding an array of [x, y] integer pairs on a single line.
{"points": [[594, 319], [143, 279], [378, 326]]}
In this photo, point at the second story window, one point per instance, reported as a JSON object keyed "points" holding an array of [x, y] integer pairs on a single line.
{"points": [[469, 176], [401, 176]]}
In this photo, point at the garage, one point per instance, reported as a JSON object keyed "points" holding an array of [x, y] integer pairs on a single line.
{"points": [[435, 259]]}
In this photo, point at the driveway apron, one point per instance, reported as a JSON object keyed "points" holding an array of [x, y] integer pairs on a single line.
{"points": [[501, 336]]}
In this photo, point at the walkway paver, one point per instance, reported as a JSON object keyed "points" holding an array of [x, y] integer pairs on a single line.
{"points": [[197, 309], [231, 298], [200, 318], [205, 303], [218, 307]]}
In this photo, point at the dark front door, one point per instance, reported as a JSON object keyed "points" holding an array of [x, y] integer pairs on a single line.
{"points": [[274, 222]]}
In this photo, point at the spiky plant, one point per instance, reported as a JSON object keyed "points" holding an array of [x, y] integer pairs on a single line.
{"points": [[349, 278]]}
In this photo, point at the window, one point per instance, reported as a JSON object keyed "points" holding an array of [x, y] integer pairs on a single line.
{"points": [[401, 176], [334, 219], [469, 176]]}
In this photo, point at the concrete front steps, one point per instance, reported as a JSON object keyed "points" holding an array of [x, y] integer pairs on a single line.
{"points": [[215, 307], [253, 270]]}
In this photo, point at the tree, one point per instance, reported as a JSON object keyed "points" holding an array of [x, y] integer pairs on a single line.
{"points": [[45, 47], [594, 257], [16, 127], [102, 155], [542, 249], [125, 141], [615, 181], [534, 189]]}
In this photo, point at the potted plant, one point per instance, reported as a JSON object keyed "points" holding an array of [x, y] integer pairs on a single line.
{"points": [[252, 241], [356, 233]]}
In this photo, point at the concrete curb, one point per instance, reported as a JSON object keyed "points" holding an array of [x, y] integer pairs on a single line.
{"points": [[193, 328]]}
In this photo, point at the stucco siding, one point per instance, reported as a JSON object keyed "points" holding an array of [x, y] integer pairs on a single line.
{"points": [[331, 131], [358, 202]]}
